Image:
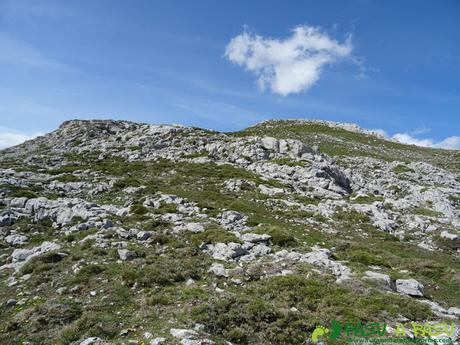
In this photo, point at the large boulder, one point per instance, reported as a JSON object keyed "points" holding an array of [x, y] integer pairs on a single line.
{"points": [[229, 251], [271, 144], [409, 287]]}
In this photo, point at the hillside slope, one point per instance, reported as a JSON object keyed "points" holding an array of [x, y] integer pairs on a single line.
{"points": [[114, 232]]}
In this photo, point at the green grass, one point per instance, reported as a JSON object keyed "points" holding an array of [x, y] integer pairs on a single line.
{"points": [[281, 237], [340, 142], [67, 178], [138, 209], [424, 212], [351, 216], [213, 234], [365, 199], [261, 313], [152, 293], [196, 154], [401, 169], [19, 192], [436, 270], [290, 162]]}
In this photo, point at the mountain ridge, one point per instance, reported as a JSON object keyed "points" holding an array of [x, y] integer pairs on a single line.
{"points": [[114, 231], [348, 126]]}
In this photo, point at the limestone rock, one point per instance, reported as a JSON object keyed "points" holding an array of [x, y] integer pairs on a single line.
{"points": [[126, 254], [409, 287]]}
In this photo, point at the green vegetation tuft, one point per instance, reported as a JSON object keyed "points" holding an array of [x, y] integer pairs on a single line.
{"points": [[401, 169]]}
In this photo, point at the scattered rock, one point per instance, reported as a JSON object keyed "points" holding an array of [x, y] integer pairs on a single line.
{"points": [[383, 280], [143, 235], [21, 256], [447, 235], [270, 191], [126, 254], [223, 251], [11, 302], [454, 311], [16, 240], [194, 227], [218, 270], [409, 287], [5, 220], [255, 238], [190, 337], [92, 341], [157, 341]]}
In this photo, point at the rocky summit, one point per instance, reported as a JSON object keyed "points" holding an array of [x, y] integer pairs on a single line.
{"points": [[114, 232]]}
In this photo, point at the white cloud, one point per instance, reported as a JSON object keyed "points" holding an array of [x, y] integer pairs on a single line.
{"points": [[9, 137], [380, 132], [406, 138], [447, 143], [450, 143], [290, 65]]}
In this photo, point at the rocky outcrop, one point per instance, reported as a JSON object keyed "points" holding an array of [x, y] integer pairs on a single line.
{"points": [[138, 218]]}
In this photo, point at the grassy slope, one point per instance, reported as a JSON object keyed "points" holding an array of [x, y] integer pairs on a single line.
{"points": [[337, 142], [260, 312]]}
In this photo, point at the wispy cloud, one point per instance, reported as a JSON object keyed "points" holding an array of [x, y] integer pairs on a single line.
{"points": [[14, 51], [410, 138], [10, 137], [452, 142], [420, 130], [288, 65]]}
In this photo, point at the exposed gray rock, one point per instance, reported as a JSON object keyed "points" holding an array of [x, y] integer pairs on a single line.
{"points": [[18, 202], [447, 235], [231, 216], [321, 257], [454, 311], [270, 190], [255, 251], [409, 287], [218, 270], [15, 239], [11, 302], [381, 279], [133, 190], [269, 143], [318, 257], [255, 238], [435, 307], [157, 341], [194, 227], [5, 220], [190, 337], [414, 201], [21, 256], [126, 254], [143, 235], [223, 251], [233, 220], [92, 341]]}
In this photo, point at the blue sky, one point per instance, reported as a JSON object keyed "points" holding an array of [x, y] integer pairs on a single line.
{"points": [[391, 65]]}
